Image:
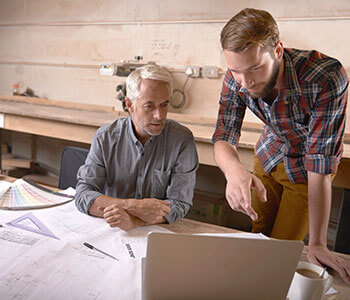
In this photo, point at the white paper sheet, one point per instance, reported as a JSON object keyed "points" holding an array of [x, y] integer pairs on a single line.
{"points": [[131, 245], [244, 235], [69, 191]]}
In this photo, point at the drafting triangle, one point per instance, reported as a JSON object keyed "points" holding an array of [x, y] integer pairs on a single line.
{"points": [[38, 227]]}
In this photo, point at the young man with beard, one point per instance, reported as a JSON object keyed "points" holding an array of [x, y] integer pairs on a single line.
{"points": [[140, 170], [301, 98]]}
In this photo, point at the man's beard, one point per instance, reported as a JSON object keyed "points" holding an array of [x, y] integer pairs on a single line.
{"points": [[144, 126], [271, 84]]}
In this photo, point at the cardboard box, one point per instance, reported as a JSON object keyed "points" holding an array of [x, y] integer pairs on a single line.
{"points": [[209, 208]]}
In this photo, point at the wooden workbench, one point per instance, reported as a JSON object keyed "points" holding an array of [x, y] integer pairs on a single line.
{"points": [[78, 122]]}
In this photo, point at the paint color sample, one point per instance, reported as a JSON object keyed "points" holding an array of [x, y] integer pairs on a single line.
{"points": [[24, 194]]}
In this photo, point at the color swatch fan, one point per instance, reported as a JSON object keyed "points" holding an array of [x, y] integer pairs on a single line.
{"points": [[24, 194]]}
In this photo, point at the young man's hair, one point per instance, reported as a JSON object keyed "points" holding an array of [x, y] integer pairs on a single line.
{"points": [[249, 28], [151, 71]]}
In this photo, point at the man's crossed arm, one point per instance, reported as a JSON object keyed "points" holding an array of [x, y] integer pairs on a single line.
{"points": [[130, 213]]}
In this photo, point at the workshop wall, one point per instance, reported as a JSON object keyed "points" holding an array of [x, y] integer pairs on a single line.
{"points": [[56, 47]]}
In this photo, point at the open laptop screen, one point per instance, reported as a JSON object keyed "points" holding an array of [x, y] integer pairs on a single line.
{"points": [[179, 266]]}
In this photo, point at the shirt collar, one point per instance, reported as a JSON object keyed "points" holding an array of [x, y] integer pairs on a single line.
{"points": [[131, 131], [291, 83]]}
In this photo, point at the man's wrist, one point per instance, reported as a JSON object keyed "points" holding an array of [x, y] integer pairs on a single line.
{"points": [[317, 243], [316, 240], [235, 168], [127, 204]]}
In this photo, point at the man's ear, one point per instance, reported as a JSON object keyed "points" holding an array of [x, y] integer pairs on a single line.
{"points": [[279, 50], [129, 105]]}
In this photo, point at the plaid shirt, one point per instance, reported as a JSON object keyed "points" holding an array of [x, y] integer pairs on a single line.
{"points": [[304, 126]]}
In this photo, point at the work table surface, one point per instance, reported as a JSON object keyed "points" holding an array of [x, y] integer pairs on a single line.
{"points": [[96, 116]]}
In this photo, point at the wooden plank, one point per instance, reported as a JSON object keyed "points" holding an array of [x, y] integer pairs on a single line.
{"points": [[76, 116], [10, 162], [58, 103], [51, 128], [42, 104]]}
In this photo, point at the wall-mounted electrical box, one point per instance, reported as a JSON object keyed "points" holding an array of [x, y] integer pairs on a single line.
{"points": [[123, 69], [210, 72], [192, 71], [108, 69], [126, 68]]}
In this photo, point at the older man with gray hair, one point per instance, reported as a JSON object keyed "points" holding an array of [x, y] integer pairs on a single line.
{"points": [[140, 170]]}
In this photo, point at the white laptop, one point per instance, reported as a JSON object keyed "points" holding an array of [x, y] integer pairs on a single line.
{"points": [[179, 266]]}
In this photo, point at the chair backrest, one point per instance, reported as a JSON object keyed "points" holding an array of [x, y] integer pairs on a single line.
{"points": [[71, 160], [342, 241]]}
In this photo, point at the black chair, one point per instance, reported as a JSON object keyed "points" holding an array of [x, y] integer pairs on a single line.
{"points": [[342, 240], [71, 160]]}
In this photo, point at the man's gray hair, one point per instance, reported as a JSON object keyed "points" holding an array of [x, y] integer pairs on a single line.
{"points": [[151, 71]]}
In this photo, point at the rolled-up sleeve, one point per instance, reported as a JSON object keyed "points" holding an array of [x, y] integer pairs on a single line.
{"points": [[327, 125], [91, 177], [182, 181], [231, 113]]}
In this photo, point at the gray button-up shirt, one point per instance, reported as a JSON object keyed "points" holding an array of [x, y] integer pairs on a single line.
{"points": [[118, 165]]}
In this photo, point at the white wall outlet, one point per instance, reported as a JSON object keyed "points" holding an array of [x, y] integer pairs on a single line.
{"points": [[210, 71], [193, 71], [108, 69]]}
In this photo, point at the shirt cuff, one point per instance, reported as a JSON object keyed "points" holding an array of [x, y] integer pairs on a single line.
{"points": [[178, 210], [233, 139], [321, 164], [84, 202]]}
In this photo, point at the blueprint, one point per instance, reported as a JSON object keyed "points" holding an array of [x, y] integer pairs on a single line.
{"points": [[68, 273]]}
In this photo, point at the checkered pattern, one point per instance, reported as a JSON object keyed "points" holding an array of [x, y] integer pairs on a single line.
{"points": [[304, 126]]}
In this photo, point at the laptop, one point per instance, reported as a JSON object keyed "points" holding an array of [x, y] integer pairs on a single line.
{"points": [[180, 266]]}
